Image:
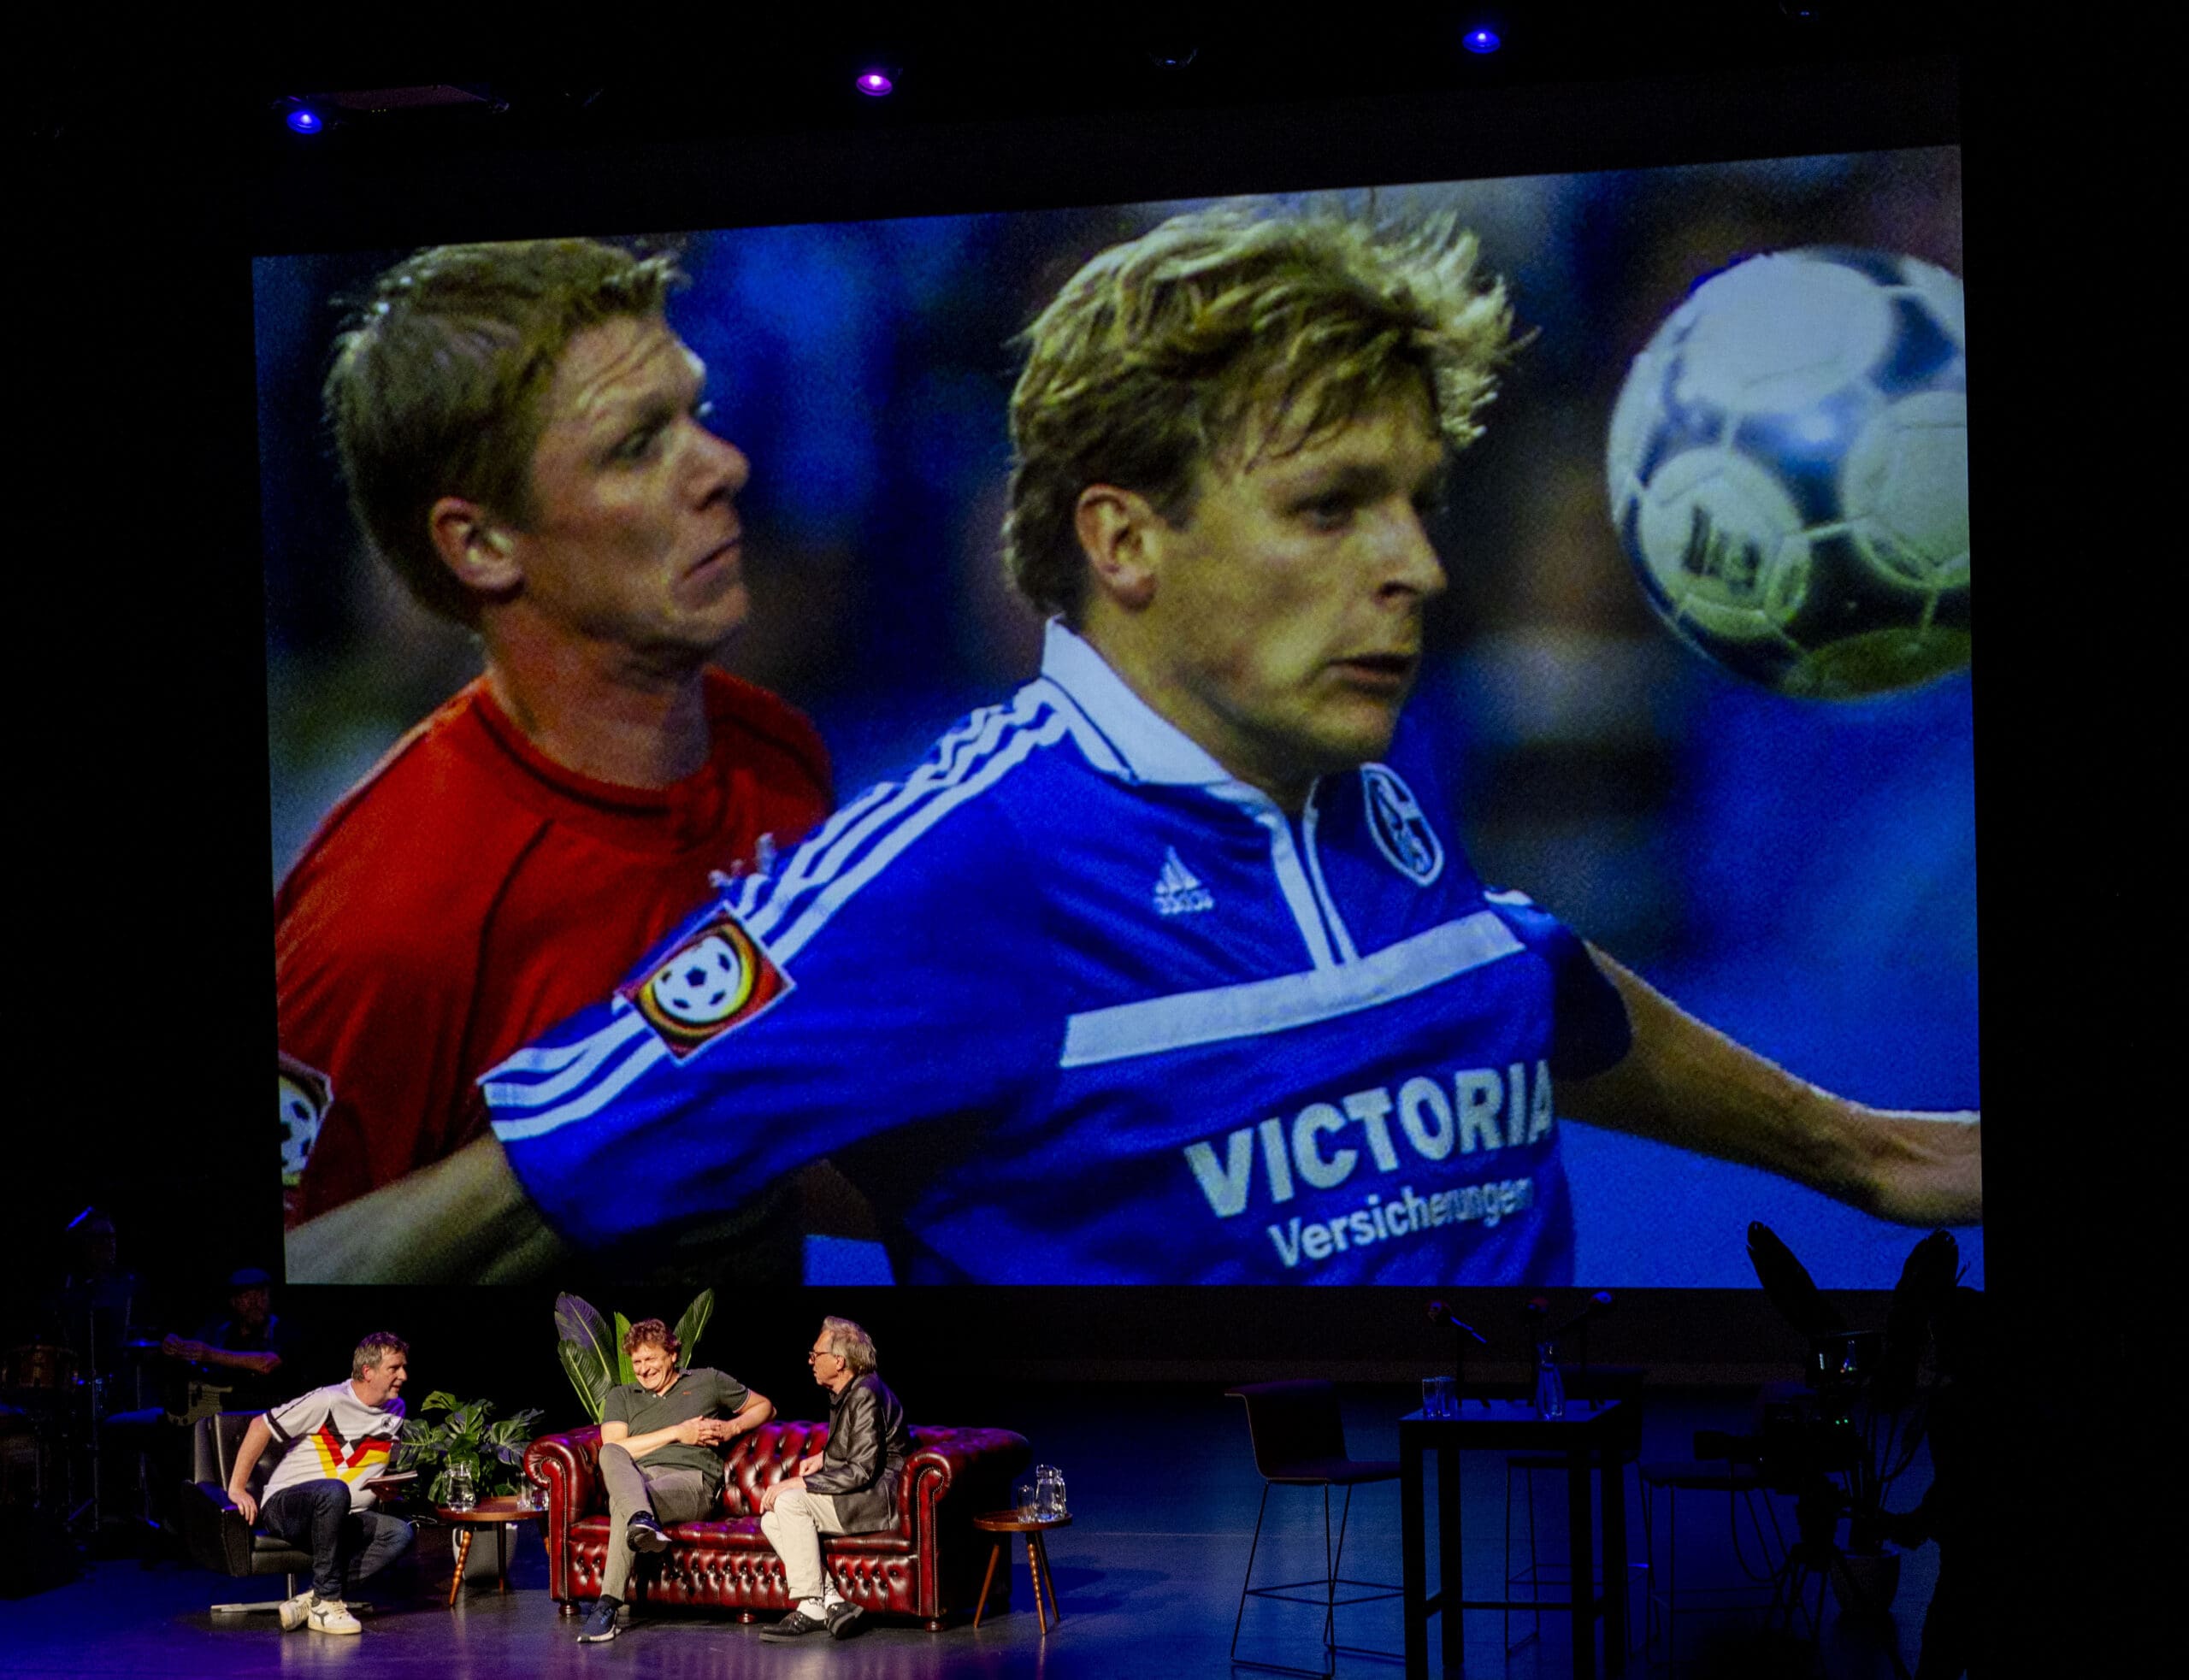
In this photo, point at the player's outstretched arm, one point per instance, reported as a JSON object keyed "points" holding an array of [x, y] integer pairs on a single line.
{"points": [[1686, 1083], [463, 1220]]}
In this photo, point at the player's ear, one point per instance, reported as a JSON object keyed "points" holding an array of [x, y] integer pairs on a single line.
{"points": [[473, 546], [1119, 532]]}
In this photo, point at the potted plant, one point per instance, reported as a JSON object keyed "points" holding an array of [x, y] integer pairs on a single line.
{"points": [[448, 1433], [1869, 1393], [465, 1433], [592, 1348]]}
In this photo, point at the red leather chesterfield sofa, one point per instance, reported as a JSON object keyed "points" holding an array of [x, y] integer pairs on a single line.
{"points": [[928, 1565]]}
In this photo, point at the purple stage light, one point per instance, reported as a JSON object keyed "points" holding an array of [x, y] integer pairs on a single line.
{"points": [[1481, 40], [304, 121], [876, 85]]}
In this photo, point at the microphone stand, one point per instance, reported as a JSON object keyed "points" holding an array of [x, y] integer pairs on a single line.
{"points": [[1460, 1332]]}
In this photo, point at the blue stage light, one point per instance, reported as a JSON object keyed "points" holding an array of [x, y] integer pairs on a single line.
{"points": [[304, 121], [1481, 39]]}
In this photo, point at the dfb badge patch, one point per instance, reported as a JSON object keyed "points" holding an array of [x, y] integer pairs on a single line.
{"points": [[1402, 832], [302, 1095], [718, 977]]}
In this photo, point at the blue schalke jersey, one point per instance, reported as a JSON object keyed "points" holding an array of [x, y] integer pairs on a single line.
{"points": [[1071, 1004]]}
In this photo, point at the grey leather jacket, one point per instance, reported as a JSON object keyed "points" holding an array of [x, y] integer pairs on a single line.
{"points": [[869, 1441]]}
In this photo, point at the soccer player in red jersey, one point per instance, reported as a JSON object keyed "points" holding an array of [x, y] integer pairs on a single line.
{"points": [[523, 437]]}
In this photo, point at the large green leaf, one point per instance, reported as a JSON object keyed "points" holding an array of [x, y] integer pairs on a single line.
{"points": [[691, 1326], [587, 1376], [589, 1354], [575, 1320], [623, 1372]]}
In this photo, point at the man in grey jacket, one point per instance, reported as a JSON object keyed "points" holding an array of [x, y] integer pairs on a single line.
{"points": [[849, 1487]]}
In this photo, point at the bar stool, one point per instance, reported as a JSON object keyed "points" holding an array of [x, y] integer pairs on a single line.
{"points": [[1742, 1490], [1299, 1441]]}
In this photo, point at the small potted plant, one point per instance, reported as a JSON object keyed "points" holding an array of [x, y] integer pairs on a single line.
{"points": [[450, 1435]]}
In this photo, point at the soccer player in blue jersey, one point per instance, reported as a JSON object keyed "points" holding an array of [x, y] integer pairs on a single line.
{"points": [[1170, 968]]}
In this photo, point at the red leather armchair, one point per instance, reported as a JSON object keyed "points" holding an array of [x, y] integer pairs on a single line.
{"points": [[928, 1565]]}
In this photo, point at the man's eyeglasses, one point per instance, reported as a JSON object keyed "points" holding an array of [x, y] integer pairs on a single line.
{"points": [[814, 1353]]}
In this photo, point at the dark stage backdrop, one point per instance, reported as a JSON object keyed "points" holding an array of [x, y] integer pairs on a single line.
{"points": [[144, 912]]}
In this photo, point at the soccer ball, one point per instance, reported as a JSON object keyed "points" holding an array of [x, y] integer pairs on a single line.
{"points": [[1789, 470]]}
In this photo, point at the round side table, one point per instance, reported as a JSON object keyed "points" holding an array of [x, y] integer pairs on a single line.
{"points": [[499, 1512], [1002, 1523]]}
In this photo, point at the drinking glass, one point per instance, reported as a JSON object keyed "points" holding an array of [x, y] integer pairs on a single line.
{"points": [[461, 1494]]}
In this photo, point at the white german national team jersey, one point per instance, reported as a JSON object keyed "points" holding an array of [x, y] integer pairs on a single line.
{"points": [[330, 1434], [1072, 1006]]}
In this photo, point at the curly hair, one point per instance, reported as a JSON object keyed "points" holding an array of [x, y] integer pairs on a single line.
{"points": [[654, 1331], [1161, 354], [437, 380]]}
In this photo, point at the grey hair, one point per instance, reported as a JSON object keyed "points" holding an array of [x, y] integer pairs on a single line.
{"points": [[852, 1343]]}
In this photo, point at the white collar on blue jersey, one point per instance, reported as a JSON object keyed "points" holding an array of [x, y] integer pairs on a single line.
{"points": [[1147, 745]]}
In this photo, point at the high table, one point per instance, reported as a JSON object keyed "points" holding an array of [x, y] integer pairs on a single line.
{"points": [[1592, 1432]]}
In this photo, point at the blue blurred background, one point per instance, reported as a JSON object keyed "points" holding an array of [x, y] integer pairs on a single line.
{"points": [[1800, 873]]}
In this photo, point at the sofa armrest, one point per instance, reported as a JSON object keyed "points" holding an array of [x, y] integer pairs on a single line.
{"points": [[568, 1465], [973, 1468]]}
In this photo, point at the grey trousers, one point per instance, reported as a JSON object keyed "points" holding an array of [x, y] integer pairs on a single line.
{"points": [[673, 1496]]}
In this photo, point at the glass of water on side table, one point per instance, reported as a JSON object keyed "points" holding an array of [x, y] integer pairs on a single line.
{"points": [[461, 1495]]}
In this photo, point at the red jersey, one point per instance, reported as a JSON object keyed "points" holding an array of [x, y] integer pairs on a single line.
{"points": [[469, 893]]}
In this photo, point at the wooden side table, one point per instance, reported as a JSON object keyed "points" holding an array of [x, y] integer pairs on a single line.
{"points": [[499, 1512], [1003, 1522]]}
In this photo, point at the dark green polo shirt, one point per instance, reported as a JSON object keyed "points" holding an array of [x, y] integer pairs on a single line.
{"points": [[702, 1392]]}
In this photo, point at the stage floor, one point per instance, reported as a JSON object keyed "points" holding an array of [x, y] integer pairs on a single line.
{"points": [[1163, 1494]]}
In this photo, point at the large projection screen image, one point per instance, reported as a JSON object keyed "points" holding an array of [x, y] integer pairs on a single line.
{"points": [[1226, 917]]}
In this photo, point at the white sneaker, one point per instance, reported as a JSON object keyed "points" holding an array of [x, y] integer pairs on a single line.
{"points": [[293, 1611], [327, 1615]]}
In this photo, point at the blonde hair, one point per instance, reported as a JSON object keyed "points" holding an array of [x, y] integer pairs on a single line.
{"points": [[436, 385], [1158, 355]]}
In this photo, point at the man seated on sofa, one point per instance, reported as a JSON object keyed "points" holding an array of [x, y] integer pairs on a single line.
{"points": [[661, 1441], [849, 1487], [335, 1443]]}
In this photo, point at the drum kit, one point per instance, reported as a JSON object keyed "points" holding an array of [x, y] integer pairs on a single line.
{"points": [[50, 1413], [43, 1404]]}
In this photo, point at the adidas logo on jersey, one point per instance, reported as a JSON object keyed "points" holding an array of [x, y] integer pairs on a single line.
{"points": [[1178, 891]]}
